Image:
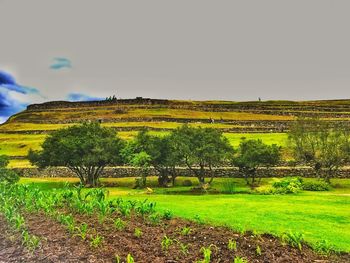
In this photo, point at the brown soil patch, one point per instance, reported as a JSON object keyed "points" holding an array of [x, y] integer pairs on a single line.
{"points": [[59, 246]]}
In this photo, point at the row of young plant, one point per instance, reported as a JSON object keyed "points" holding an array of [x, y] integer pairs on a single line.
{"points": [[61, 205], [10, 207]]}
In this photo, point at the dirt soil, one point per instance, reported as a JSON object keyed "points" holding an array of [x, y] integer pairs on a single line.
{"points": [[58, 245]]}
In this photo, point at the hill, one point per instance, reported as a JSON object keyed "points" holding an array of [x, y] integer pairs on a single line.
{"points": [[268, 120]]}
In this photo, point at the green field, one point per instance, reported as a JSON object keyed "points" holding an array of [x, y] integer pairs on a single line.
{"points": [[19, 144], [318, 215]]}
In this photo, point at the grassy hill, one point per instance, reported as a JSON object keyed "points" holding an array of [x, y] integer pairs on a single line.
{"points": [[268, 120]]}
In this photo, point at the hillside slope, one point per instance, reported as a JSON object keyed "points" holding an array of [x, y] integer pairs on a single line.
{"points": [[268, 120]]}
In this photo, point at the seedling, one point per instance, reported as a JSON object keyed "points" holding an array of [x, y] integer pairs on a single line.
{"points": [[166, 243], [96, 241], [129, 259], [30, 241], [258, 250], [293, 239], [207, 252], [18, 222], [183, 248], [154, 218], [124, 210], [198, 219], [119, 224], [82, 231], [167, 215], [323, 247], [185, 231], [138, 232], [240, 260], [232, 245]]}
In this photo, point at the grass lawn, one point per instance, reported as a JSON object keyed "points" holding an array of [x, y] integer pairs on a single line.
{"points": [[318, 215]]}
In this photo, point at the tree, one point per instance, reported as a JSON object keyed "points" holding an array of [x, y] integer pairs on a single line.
{"points": [[160, 152], [201, 150], [85, 149], [319, 144], [253, 154], [7, 175]]}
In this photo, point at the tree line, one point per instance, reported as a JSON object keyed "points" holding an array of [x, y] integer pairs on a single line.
{"points": [[88, 148]]}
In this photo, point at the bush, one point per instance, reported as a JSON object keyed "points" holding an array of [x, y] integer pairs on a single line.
{"points": [[140, 183], [187, 182], [316, 186], [228, 186], [7, 175], [289, 185]]}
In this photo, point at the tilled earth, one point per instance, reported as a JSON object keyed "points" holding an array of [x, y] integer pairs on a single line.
{"points": [[57, 245]]}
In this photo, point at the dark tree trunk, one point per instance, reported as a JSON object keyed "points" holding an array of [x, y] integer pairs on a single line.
{"points": [[88, 175]]}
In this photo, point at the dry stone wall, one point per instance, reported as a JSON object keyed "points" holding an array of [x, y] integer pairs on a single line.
{"points": [[121, 172]]}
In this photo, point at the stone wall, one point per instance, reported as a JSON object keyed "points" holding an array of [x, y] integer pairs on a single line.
{"points": [[120, 172]]}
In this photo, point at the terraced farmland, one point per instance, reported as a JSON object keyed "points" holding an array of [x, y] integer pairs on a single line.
{"points": [[266, 120]]}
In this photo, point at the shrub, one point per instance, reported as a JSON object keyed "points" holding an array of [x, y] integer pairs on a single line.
{"points": [[228, 186], [289, 185], [316, 186], [187, 182], [140, 183], [7, 175]]}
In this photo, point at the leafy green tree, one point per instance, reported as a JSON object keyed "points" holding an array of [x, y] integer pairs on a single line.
{"points": [[85, 149], [160, 152], [253, 154], [142, 160], [7, 175], [317, 143], [201, 150]]}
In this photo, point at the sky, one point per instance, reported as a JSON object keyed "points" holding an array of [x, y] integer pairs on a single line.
{"points": [[183, 49]]}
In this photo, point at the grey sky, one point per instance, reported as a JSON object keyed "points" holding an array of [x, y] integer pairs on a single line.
{"points": [[183, 49]]}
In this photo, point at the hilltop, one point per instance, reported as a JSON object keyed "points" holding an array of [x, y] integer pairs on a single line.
{"points": [[268, 120]]}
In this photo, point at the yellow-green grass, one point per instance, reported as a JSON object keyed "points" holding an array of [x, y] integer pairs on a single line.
{"points": [[318, 215], [18, 126], [268, 138], [80, 113], [19, 144], [19, 163]]}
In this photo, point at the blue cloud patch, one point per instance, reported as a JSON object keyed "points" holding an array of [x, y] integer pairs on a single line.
{"points": [[61, 63], [10, 101], [81, 97]]}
